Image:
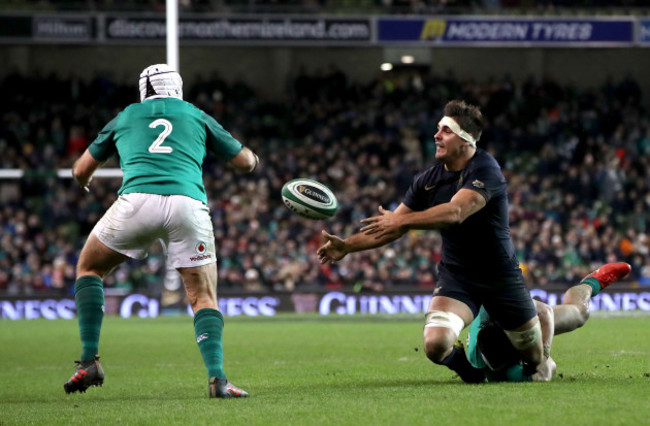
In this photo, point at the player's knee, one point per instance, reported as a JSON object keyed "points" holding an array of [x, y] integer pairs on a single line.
{"points": [[199, 287], [196, 280], [436, 350], [583, 315], [441, 329]]}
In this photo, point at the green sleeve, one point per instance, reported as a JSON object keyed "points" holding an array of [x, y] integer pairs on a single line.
{"points": [[511, 374], [103, 147], [219, 140], [473, 352], [516, 374]]}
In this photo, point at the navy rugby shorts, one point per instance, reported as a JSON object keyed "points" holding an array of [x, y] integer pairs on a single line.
{"points": [[507, 300]]}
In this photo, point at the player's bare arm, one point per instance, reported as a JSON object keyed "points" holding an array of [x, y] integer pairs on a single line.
{"points": [[547, 323], [465, 203], [336, 248], [245, 161], [84, 168]]}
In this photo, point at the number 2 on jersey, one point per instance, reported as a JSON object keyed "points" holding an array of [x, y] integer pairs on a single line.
{"points": [[156, 147]]}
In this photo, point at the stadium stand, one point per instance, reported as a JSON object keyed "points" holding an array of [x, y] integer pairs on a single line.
{"points": [[342, 6], [577, 161]]}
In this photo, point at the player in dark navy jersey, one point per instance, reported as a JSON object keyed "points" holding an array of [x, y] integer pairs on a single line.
{"points": [[489, 225], [464, 196]]}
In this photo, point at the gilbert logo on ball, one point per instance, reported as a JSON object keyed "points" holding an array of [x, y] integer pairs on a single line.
{"points": [[309, 198]]}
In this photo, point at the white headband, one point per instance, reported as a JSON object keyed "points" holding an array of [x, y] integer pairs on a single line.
{"points": [[451, 123]]}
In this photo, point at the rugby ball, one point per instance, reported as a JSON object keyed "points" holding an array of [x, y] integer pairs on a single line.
{"points": [[309, 198]]}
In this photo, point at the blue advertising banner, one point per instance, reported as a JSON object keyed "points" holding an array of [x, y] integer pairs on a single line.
{"points": [[511, 32], [432, 31], [270, 304]]}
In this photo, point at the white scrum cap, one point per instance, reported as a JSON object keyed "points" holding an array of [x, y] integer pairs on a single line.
{"points": [[160, 81]]}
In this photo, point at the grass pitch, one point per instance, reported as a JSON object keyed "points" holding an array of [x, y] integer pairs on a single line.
{"points": [[308, 370]]}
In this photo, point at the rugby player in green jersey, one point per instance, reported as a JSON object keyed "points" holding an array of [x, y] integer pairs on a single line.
{"points": [[489, 349], [161, 142]]}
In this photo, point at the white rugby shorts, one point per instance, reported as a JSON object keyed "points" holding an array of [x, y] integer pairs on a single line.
{"points": [[136, 220]]}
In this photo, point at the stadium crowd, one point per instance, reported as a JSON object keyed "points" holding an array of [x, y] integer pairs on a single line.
{"points": [[577, 161]]}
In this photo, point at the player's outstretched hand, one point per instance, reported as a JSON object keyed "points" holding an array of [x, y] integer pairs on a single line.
{"points": [[85, 185], [386, 224], [333, 250]]}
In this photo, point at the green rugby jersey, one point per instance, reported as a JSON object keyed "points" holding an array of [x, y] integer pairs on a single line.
{"points": [[162, 144], [511, 373], [473, 352]]}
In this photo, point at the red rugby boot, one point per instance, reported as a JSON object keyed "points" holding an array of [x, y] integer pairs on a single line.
{"points": [[609, 273]]}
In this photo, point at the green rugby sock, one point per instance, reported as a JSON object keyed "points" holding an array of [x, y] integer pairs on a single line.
{"points": [[594, 284], [89, 298], [208, 329]]}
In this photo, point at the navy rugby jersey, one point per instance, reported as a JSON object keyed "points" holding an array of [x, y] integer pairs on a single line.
{"points": [[481, 245]]}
